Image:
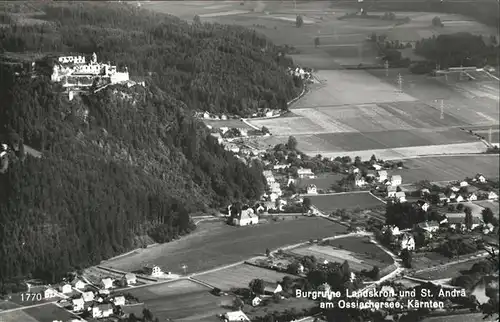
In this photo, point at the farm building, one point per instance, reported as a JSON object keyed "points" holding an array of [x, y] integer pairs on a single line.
{"points": [[424, 192], [359, 180], [236, 316], [429, 226], [492, 195], [472, 197], [78, 304], [65, 288], [382, 175], [102, 311], [459, 198], [107, 283], [272, 288], [78, 284], [119, 300], [406, 241], [305, 173], [88, 296], [479, 177], [464, 183], [396, 180], [246, 217], [391, 191], [256, 301], [400, 196], [153, 270], [49, 293], [422, 204], [128, 279], [376, 166], [311, 189], [457, 220], [393, 229]]}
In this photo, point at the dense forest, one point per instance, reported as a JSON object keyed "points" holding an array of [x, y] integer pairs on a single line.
{"points": [[454, 50], [139, 164]]}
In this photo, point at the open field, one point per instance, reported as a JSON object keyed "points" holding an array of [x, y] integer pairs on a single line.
{"points": [[297, 304], [329, 203], [239, 124], [322, 181], [448, 271], [182, 300], [216, 244], [239, 276], [49, 313], [447, 168], [17, 316], [364, 257], [493, 205], [344, 88], [410, 152]]}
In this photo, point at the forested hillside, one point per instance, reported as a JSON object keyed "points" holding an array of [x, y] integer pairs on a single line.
{"points": [[140, 163]]}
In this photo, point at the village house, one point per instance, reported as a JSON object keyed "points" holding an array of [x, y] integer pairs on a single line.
{"points": [[280, 166], [472, 197], [382, 175], [246, 217], [359, 180], [376, 166], [88, 296], [492, 195], [78, 304], [119, 300], [396, 180], [256, 301], [479, 177], [270, 205], [429, 226], [223, 117], [464, 183], [353, 170], [452, 196], [371, 174], [78, 284], [153, 270], [454, 189], [400, 196], [272, 288], [66, 288], [305, 173], [267, 173], [424, 193], [442, 199], [259, 208], [457, 221], [311, 189], [128, 279], [102, 311], [273, 196], [270, 180], [406, 241], [391, 191], [393, 229], [107, 283], [459, 198], [49, 293], [236, 316], [275, 188], [422, 204]]}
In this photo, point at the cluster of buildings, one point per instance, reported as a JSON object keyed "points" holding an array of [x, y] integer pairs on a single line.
{"points": [[300, 72], [77, 71], [274, 186]]}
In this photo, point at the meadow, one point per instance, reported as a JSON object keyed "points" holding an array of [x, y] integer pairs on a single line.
{"points": [[328, 203], [214, 244], [239, 276], [181, 300]]}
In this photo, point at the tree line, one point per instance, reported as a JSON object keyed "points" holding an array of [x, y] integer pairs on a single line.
{"points": [[134, 166]]}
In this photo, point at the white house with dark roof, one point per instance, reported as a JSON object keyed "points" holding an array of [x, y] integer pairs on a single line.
{"points": [[464, 183], [455, 189], [305, 173], [236, 316], [256, 301], [66, 288], [49, 293], [78, 284], [459, 198], [424, 192], [376, 166], [359, 180], [311, 189], [479, 177], [492, 195], [119, 300], [246, 217], [88, 296], [406, 241], [422, 204], [472, 197], [272, 288]]}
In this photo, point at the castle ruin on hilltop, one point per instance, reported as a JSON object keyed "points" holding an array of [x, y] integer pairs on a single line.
{"points": [[75, 71]]}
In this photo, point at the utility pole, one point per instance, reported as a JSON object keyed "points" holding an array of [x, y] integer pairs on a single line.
{"points": [[400, 83], [386, 65], [442, 109], [489, 135]]}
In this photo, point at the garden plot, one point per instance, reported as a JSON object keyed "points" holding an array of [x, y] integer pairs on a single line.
{"points": [[333, 255], [294, 125], [350, 87], [240, 276], [327, 123], [328, 203]]}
